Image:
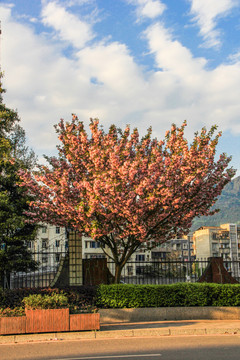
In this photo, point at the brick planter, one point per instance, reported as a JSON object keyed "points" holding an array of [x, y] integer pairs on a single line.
{"points": [[80, 322], [48, 320], [12, 325]]}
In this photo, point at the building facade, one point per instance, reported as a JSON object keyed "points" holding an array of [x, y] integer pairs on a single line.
{"points": [[222, 241], [213, 241], [49, 247]]}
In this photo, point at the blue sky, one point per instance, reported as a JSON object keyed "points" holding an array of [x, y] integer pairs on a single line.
{"points": [[137, 62]]}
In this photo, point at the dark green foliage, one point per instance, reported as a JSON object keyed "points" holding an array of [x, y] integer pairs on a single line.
{"points": [[226, 296], [181, 294], [14, 231], [87, 298], [80, 298]]}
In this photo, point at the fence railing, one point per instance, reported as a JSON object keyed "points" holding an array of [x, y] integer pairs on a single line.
{"points": [[161, 272], [43, 276], [169, 271], [134, 272]]}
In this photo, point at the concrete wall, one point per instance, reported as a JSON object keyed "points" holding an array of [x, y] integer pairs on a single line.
{"points": [[169, 313]]}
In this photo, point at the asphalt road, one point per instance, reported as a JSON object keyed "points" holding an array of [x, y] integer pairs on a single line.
{"points": [[218, 347]]}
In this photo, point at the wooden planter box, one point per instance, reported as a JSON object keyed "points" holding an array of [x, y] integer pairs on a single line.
{"points": [[49, 320], [12, 325], [80, 322]]}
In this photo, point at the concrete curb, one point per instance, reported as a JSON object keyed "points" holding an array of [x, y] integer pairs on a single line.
{"points": [[134, 330]]}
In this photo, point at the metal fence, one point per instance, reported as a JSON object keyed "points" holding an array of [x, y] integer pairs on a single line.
{"points": [[48, 265], [233, 267], [134, 272], [161, 272], [169, 271]]}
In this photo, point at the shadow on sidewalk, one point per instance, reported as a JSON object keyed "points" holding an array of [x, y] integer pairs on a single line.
{"points": [[145, 325]]}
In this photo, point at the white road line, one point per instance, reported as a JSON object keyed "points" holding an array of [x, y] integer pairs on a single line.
{"points": [[110, 357]]}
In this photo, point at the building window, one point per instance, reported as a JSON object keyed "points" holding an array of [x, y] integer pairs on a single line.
{"points": [[66, 244], [44, 229], [140, 257], [30, 244], [130, 270], [57, 230], [140, 270], [57, 243], [57, 257], [94, 244], [44, 259], [44, 244]]}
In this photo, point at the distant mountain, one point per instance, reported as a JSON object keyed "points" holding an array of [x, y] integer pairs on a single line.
{"points": [[229, 205]]}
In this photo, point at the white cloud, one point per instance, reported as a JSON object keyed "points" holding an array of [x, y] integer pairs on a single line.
{"points": [[148, 8], [68, 26], [235, 57], [171, 55], [103, 80], [206, 14], [192, 92]]}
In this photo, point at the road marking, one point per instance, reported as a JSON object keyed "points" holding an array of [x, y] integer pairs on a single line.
{"points": [[110, 357]]}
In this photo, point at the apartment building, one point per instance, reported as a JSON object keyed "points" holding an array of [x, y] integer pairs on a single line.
{"points": [[53, 239], [175, 249], [91, 249], [50, 245], [216, 241], [222, 241]]}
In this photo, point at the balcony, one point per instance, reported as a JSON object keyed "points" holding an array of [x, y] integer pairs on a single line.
{"points": [[224, 251], [224, 241]]}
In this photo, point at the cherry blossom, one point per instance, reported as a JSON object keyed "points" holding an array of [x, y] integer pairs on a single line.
{"points": [[124, 191]]}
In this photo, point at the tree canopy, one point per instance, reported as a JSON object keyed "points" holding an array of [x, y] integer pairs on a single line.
{"points": [[123, 191], [15, 232]]}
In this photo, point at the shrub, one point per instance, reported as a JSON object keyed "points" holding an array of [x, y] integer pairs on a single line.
{"points": [[180, 294], [81, 297], [54, 301], [7, 312]]}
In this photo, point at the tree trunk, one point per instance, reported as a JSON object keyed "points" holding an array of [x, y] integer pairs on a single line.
{"points": [[5, 279], [2, 279], [118, 270]]}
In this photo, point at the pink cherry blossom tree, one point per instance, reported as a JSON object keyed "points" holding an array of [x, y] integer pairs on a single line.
{"points": [[123, 191]]}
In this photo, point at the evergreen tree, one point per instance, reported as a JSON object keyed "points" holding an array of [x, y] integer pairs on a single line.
{"points": [[15, 232]]}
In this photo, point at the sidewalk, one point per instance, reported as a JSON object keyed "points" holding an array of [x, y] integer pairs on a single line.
{"points": [[146, 329]]}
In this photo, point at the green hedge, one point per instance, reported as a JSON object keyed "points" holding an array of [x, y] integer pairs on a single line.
{"points": [[181, 294], [133, 296]]}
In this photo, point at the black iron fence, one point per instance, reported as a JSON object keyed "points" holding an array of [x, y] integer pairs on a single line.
{"points": [[134, 272], [233, 267], [49, 262], [169, 271], [161, 272]]}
